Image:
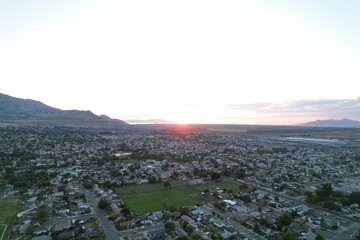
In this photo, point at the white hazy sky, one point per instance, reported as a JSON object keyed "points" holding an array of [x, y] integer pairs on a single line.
{"points": [[185, 61]]}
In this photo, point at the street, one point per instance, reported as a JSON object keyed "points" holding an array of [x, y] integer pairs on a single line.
{"points": [[107, 227], [240, 228]]}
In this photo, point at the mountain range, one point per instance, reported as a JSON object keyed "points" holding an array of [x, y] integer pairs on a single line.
{"points": [[333, 123], [26, 111], [31, 112]]}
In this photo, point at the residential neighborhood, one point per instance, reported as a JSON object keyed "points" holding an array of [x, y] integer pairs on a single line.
{"points": [[72, 183]]}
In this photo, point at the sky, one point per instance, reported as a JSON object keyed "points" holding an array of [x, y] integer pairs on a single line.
{"points": [[196, 61]]}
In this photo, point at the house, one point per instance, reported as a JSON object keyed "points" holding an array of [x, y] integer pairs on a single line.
{"points": [[40, 230], [201, 234], [23, 228], [12, 193], [228, 233], [264, 229], [64, 211], [238, 208], [354, 206], [143, 181], [66, 235], [295, 227], [145, 220], [82, 205], [127, 224], [256, 215], [89, 233], [230, 202], [43, 237], [196, 213], [157, 233], [58, 194], [62, 226], [330, 223], [31, 200], [136, 236], [242, 218], [307, 236], [187, 219], [217, 223], [157, 216]]}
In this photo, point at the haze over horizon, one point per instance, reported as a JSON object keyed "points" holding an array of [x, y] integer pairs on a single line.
{"points": [[236, 62]]}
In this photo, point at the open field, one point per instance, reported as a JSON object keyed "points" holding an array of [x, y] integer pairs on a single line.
{"points": [[261, 130], [148, 198], [8, 210]]}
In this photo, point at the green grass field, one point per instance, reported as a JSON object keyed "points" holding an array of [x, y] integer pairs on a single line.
{"points": [[8, 211], [148, 198]]}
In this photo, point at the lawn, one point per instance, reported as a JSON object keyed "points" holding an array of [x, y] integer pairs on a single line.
{"points": [[8, 210], [148, 198]]}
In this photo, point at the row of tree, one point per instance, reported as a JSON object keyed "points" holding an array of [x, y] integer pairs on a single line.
{"points": [[330, 199]]}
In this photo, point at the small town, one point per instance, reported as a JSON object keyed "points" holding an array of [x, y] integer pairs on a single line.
{"points": [[73, 183], [179, 120]]}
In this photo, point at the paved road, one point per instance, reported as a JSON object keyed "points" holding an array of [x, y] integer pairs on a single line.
{"points": [[347, 233], [338, 214], [110, 232], [344, 234], [179, 230], [240, 228], [108, 229], [52, 221]]}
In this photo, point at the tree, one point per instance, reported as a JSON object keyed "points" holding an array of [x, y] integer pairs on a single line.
{"points": [[189, 229], [214, 176], [354, 197], [290, 236], [325, 190], [331, 205], [243, 186], [126, 211], [184, 210], [42, 213], [169, 226], [256, 228], [175, 175], [103, 204], [319, 237], [245, 198], [182, 238], [87, 185], [284, 220], [107, 184], [167, 185], [154, 179], [173, 208], [240, 174], [166, 204]]}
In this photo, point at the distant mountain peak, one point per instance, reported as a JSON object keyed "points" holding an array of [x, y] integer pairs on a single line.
{"points": [[32, 112], [345, 122]]}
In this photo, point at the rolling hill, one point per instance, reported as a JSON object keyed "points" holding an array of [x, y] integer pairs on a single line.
{"points": [[31, 112], [333, 123]]}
